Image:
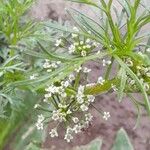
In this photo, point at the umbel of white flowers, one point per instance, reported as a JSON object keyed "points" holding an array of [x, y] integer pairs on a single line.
{"points": [[65, 109]]}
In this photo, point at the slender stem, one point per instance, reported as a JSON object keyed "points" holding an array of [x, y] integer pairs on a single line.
{"points": [[41, 108], [77, 81], [109, 69], [99, 110], [55, 102]]}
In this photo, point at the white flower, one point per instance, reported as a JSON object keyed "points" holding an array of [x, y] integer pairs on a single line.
{"points": [[58, 42], [54, 65], [89, 32], [47, 95], [90, 84], [114, 87], [129, 62], [88, 117], [80, 98], [145, 70], [45, 100], [148, 74], [101, 80], [66, 84], [62, 106], [46, 64], [33, 77], [141, 80], [68, 112], [39, 123], [36, 106], [49, 70], [96, 44], [40, 118], [74, 35], [81, 89], [91, 98], [61, 89], [132, 82], [71, 49], [88, 46], [68, 137], [53, 133], [80, 94], [39, 126], [87, 41], [83, 53], [98, 52], [84, 47], [78, 69], [75, 119], [76, 29], [106, 115], [69, 130], [55, 115], [138, 67], [63, 94], [62, 116], [81, 42], [71, 77], [58, 62], [77, 128], [106, 62], [86, 70], [146, 86], [76, 44], [148, 50], [84, 107], [52, 89]]}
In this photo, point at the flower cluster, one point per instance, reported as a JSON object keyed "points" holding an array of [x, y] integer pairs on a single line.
{"points": [[33, 76], [39, 123], [51, 65], [79, 45], [142, 71], [70, 104]]}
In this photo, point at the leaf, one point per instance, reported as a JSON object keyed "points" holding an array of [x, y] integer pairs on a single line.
{"points": [[10, 126], [63, 28], [122, 84], [88, 24], [52, 55], [94, 145], [122, 141], [32, 146], [89, 2], [139, 84], [59, 73], [137, 105], [124, 4]]}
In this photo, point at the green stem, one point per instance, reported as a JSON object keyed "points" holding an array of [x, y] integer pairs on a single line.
{"points": [[109, 69], [77, 81]]}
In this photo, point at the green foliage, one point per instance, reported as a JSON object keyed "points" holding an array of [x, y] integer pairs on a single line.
{"points": [[24, 45], [13, 25], [94, 145], [122, 141], [17, 121]]}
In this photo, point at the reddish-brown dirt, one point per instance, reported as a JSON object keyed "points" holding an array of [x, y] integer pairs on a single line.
{"points": [[122, 114]]}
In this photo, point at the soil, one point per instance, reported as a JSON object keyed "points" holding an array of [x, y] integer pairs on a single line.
{"points": [[122, 114]]}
